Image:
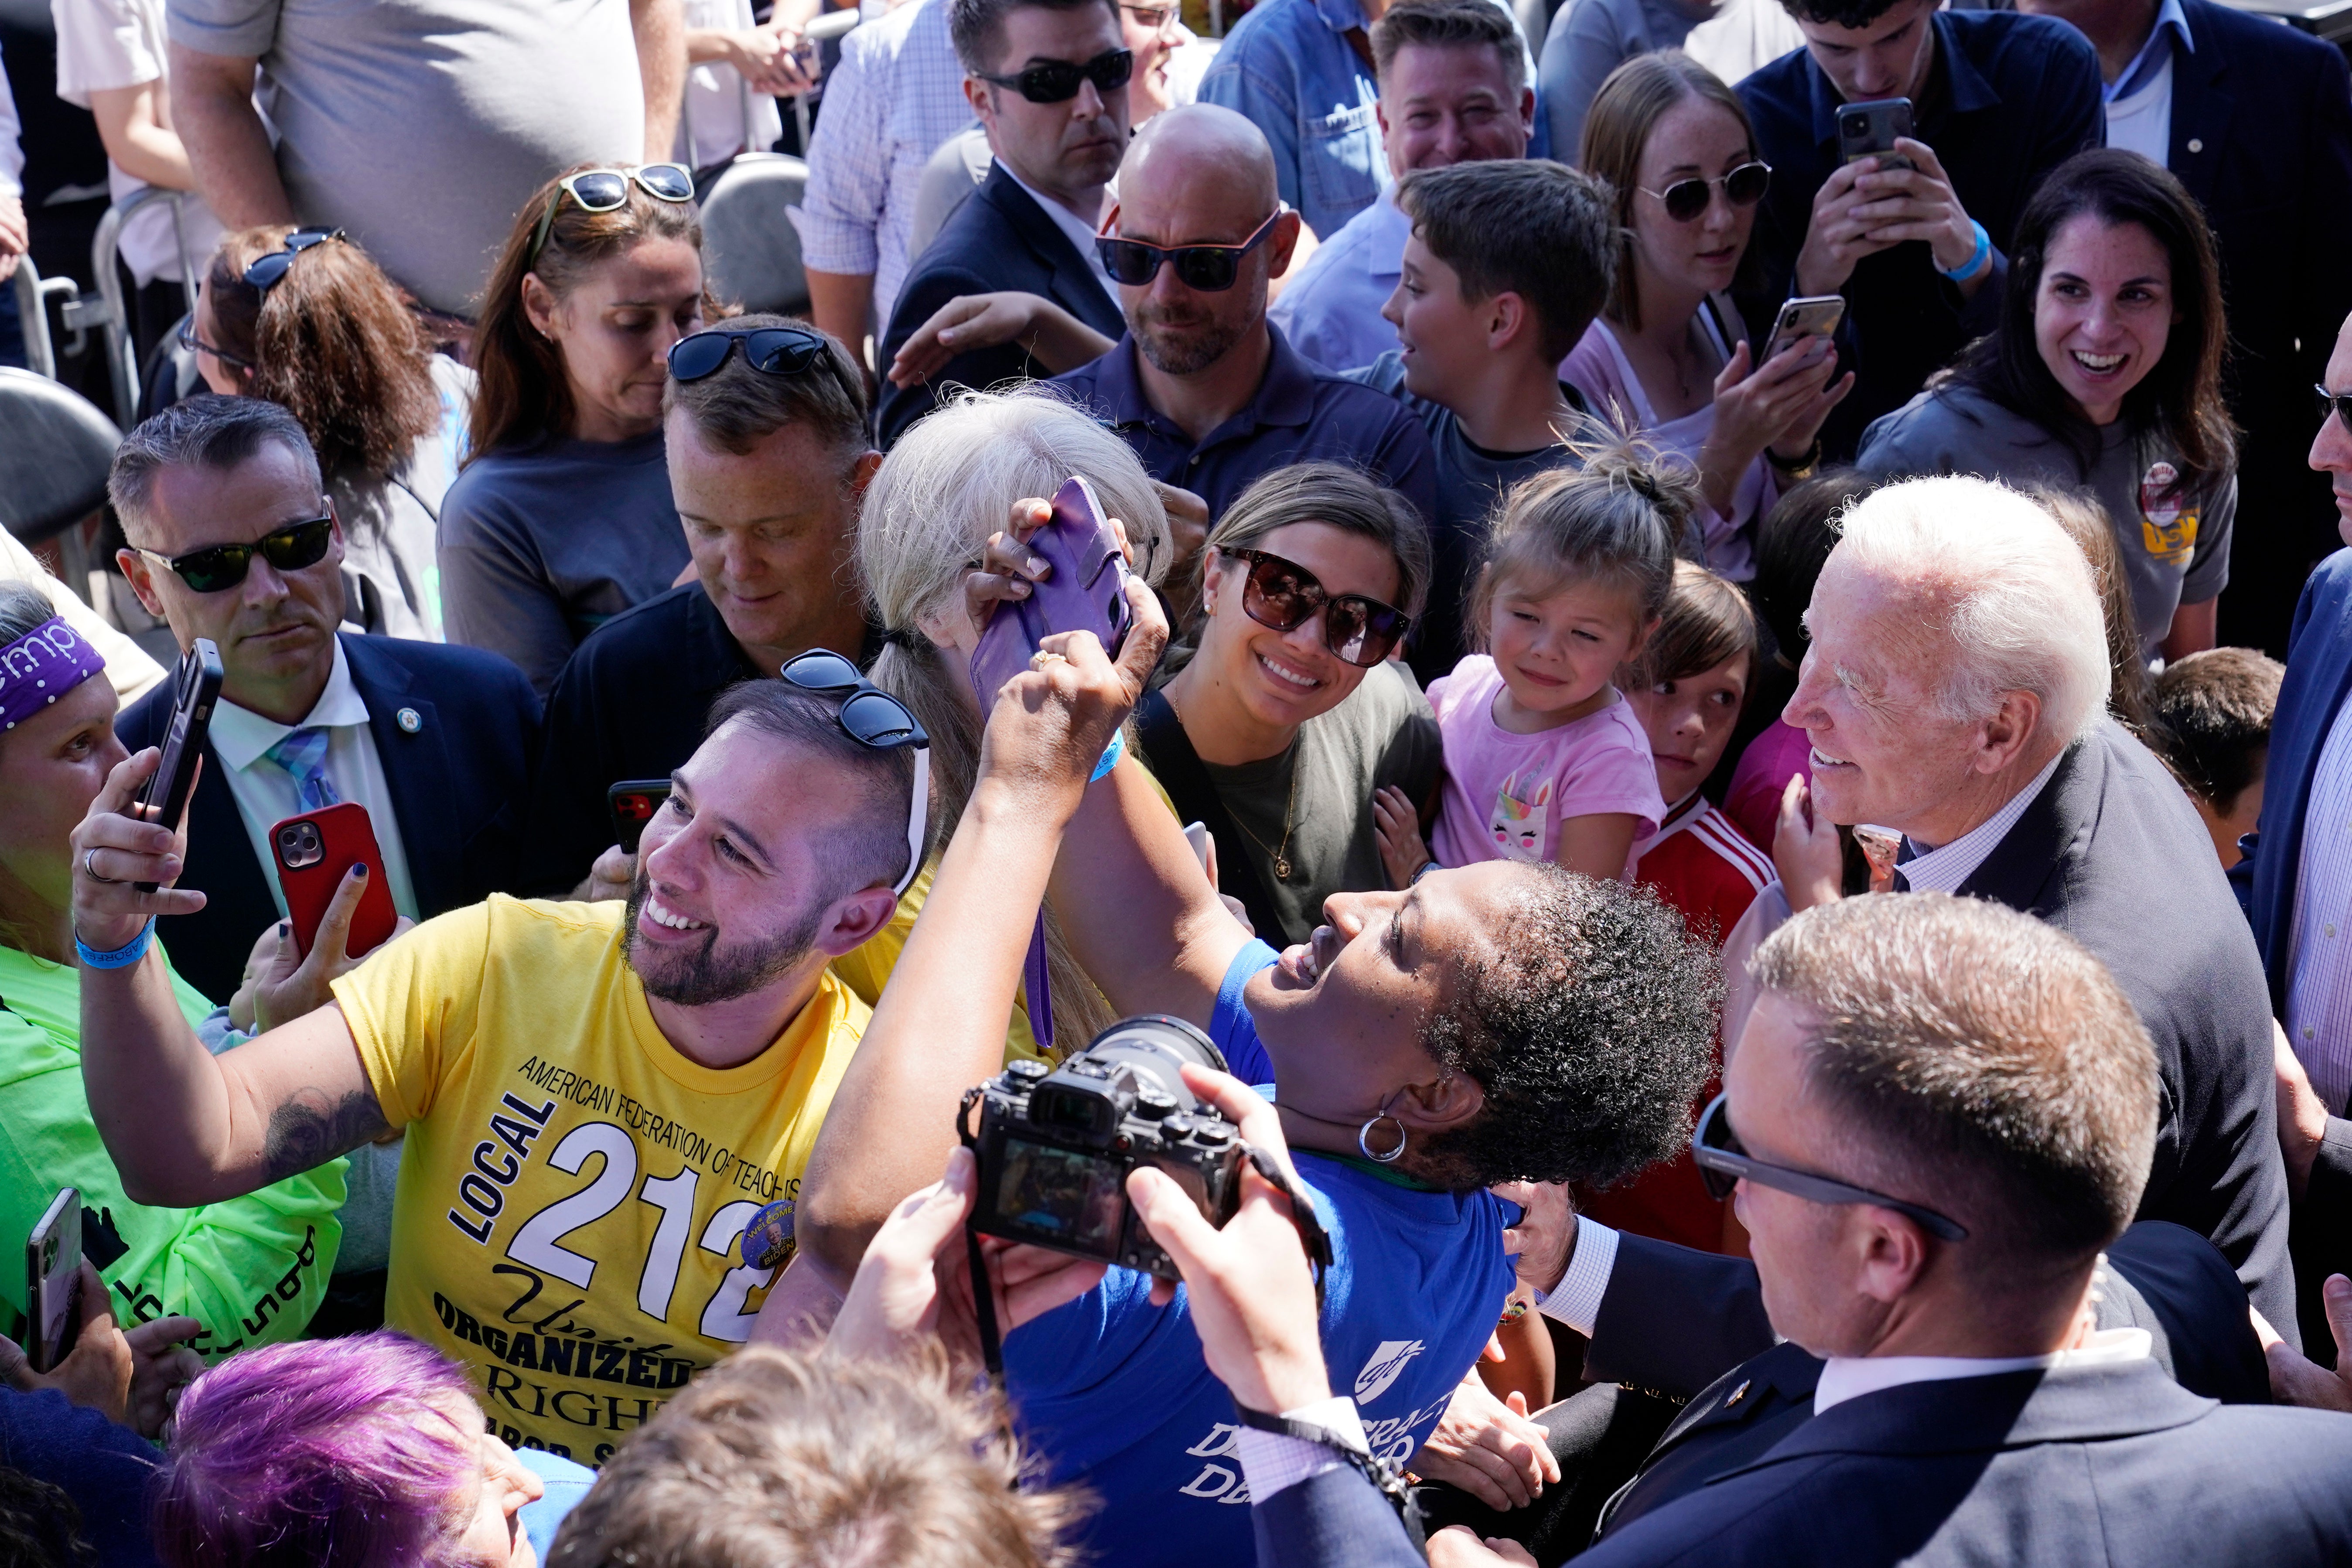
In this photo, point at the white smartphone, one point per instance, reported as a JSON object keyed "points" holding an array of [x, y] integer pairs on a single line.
{"points": [[1197, 834], [1814, 313]]}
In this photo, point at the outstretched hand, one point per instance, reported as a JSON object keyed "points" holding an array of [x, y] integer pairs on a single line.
{"points": [[290, 983], [1053, 721], [2296, 1379], [1806, 850], [113, 852], [133, 1379]]}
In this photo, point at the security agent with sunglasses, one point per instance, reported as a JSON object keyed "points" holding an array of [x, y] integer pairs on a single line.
{"points": [[1049, 79], [232, 539], [1206, 389], [764, 424], [597, 1099]]}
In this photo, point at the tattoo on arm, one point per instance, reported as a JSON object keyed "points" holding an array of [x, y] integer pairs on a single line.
{"points": [[306, 1132]]}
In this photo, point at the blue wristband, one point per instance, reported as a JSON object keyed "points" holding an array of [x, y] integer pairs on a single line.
{"points": [[1968, 268], [122, 957], [1111, 754]]}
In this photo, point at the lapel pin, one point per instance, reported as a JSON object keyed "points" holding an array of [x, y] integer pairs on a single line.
{"points": [[1737, 1394], [409, 721]]}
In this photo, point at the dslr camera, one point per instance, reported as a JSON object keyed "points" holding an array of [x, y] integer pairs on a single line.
{"points": [[1054, 1146]]}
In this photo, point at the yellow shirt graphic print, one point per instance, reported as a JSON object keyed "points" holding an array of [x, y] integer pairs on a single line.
{"points": [[2167, 527], [573, 1190]]}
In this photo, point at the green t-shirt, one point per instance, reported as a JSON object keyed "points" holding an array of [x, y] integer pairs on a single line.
{"points": [[251, 1271]]}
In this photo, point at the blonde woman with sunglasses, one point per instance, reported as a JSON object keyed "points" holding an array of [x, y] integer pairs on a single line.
{"points": [[1668, 359], [563, 518]]}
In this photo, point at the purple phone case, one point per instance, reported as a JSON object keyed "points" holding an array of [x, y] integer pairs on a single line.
{"points": [[1085, 591]]}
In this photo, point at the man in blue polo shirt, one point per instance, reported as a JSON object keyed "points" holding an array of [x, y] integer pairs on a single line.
{"points": [[1204, 389], [1998, 100]]}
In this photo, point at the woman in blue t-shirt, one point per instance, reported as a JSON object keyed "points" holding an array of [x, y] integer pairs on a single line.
{"points": [[1496, 1022]]}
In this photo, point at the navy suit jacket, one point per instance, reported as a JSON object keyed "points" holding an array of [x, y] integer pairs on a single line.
{"points": [[458, 782], [2319, 672], [998, 240]]}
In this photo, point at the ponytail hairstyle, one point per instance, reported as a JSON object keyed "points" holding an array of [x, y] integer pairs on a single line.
{"points": [[524, 395], [333, 342], [1614, 521]]}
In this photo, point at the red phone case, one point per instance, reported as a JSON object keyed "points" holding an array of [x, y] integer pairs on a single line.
{"points": [[310, 867]]}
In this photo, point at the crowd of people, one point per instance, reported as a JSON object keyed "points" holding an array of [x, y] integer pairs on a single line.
{"points": [[1677, 911]]}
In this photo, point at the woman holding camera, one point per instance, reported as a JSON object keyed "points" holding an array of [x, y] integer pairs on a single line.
{"points": [[1667, 358], [2104, 376], [563, 517]]}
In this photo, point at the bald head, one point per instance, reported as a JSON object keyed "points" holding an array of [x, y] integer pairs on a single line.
{"points": [[1200, 152]]}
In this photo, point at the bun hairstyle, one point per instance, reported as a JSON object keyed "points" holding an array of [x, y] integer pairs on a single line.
{"points": [[1615, 521]]}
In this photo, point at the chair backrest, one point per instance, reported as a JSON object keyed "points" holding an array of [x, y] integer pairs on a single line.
{"points": [[53, 465], [751, 251]]}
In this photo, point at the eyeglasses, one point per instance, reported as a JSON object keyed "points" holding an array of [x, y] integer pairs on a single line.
{"points": [[266, 270], [1056, 81], [607, 190], [218, 567], [873, 717], [1205, 269], [1687, 199], [1282, 595], [2337, 403], [1150, 18], [1722, 1162], [770, 351], [194, 344]]}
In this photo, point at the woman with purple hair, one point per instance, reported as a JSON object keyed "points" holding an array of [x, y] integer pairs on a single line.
{"points": [[367, 1452]]}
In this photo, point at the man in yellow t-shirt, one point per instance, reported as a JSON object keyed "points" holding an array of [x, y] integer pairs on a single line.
{"points": [[597, 1098]]}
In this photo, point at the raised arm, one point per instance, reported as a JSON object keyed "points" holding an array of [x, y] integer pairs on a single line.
{"points": [[659, 28], [940, 1026], [184, 1127], [236, 172]]}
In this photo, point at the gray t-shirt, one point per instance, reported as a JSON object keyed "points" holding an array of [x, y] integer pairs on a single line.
{"points": [[1590, 38], [391, 572], [1384, 734], [541, 546], [422, 126], [2174, 547]]}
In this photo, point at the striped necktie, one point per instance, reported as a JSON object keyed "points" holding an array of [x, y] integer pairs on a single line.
{"points": [[303, 754]]}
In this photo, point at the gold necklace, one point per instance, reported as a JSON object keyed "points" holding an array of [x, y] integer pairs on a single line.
{"points": [[1280, 856]]}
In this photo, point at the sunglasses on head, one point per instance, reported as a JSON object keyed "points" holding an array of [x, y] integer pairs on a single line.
{"points": [[2337, 403], [1203, 269], [1687, 199], [1723, 1163], [267, 270], [1281, 596], [607, 190], [873, 717], [221, 566], [770, 351], [1056, 81]]}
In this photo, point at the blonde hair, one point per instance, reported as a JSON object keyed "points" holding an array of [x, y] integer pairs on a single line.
{"points": [[1613, 520], [948, 484]]}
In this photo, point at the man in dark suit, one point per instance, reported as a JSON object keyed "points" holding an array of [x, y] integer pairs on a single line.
{"points": [[1954, 692], [231, 539], [1048, 79], [2256, 120]]}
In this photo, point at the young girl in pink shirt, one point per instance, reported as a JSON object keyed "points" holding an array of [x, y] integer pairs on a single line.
{"points": [[1544, 760]]}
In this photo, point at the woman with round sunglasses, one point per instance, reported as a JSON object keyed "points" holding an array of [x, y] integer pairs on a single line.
{"points": [[563, 518], [307, 320], [1285, 712], [1668, 354], [2104, 377]]}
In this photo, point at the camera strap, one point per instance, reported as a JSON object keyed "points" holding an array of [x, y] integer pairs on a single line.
{"points": [[1384, 1475], [984, 1291], [1311, 1234]]}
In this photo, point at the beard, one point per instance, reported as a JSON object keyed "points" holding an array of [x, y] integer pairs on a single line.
{"points": [[717, 970], [1189, 345]]}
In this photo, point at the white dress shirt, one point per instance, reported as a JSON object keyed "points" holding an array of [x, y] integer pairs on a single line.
{"points": [[1943, 869], [1081, 236], [1850, 1377], [2318, 967], [264, 790]]}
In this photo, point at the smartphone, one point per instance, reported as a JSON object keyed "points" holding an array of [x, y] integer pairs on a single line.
{"points": [[1196, 834], [1812, 313], [196, 683], [632, 803], [313, 851], [1869, 129], [1085, 591], [53, 1281]]}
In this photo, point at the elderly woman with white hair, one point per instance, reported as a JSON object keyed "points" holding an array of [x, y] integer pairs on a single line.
{"points": [[969, 471], [1955, 693]]}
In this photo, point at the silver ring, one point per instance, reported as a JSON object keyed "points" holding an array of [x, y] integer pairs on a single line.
{"points": [[91, 871], [1041, 659]]}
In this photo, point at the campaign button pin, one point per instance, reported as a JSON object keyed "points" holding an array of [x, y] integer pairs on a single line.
{"points": [[1736, 1396], [409, 721]]}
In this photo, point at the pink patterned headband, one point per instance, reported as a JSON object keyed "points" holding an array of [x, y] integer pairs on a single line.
{"points": [[41, 667]]}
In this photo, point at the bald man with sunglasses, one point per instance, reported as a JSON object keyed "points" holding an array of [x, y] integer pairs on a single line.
{"points": [[231, 537]]}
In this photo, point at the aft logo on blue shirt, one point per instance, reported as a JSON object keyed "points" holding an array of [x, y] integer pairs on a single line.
{"points": [[1381, 1370]]}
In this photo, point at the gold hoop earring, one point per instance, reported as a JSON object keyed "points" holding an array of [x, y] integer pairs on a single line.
{"points": [[1364, 1140]]}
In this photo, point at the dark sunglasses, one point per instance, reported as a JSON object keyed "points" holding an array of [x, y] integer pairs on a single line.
{"points": [[1281, 594], [221, 566], [194, 344], [2337, 403], [266, 270], [1687, 199], [607, 190], [771, 351], [872, 717], [1056, 81], [1205, 269], [1722, 1162]]}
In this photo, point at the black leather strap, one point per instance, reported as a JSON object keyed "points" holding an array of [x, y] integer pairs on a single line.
{"points": [[1183, 774], [1384, 1476]]}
